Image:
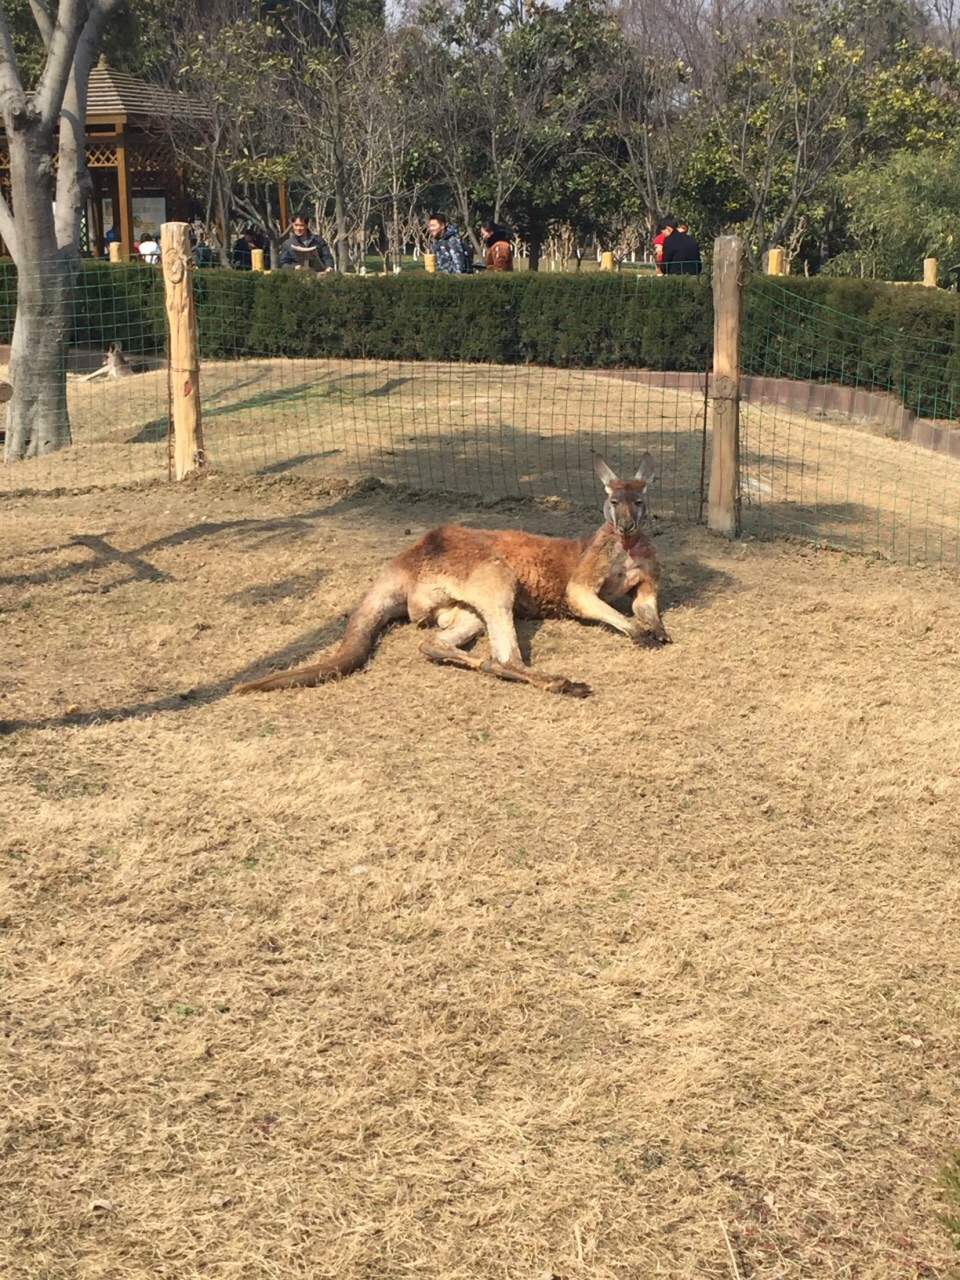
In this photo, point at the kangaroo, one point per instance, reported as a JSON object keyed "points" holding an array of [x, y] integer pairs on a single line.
{"points": [[470, 580]]}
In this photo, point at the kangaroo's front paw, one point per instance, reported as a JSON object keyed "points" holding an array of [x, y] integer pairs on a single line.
{"points": [[651, 637], [573, 689]]}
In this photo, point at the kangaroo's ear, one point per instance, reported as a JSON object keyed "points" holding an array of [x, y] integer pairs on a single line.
{"points": [[647, 469], [606, 476]]}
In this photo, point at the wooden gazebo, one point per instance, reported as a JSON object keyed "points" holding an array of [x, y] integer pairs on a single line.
{"points": [[137, 182]]}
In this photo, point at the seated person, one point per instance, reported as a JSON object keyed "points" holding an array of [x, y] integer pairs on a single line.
{"points": [[242, 249], [204, 255], [149, 249], [498, 251], [303, 239]]}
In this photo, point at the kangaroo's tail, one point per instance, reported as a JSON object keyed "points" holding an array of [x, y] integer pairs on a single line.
{"points": [[385, 601]]}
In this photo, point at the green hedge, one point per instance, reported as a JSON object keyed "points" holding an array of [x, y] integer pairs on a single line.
{"points": [[115, 303], [899, 338], [855, 332], [593, 322]]}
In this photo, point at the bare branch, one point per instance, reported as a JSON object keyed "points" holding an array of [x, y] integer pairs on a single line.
{"points": [[13, 101], [41, 16], [8, 228], [72, 176], [60, 54]]}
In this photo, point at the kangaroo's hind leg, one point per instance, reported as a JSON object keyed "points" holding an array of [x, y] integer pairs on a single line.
{"points": [[489, 603], [458, 626]]}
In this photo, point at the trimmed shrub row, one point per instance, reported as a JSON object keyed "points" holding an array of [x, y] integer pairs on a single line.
{"points": [[902, 339], [595, 322], [855, 332]]}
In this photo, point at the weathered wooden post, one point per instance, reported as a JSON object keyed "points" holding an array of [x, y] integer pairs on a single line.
{"points": [[115, 251], [723, 508], [930, 272], [183, 366]]}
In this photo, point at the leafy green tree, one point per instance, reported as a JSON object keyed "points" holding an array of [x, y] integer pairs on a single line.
{"points": [[899, 211]]}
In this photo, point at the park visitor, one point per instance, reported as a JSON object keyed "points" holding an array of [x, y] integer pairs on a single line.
{"points": [[498, 250], [305, 250], [446, 246], [681, 253]]}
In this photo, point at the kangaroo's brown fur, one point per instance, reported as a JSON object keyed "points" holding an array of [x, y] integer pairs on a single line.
{"points": [[468, 580]]}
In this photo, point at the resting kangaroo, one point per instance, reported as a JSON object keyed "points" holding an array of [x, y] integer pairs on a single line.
{"points": [[466, 580]]}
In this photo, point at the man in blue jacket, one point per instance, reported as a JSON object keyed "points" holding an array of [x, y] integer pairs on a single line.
{"points": [[446, 246]]}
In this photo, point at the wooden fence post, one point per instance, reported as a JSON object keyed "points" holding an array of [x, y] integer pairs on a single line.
{"points": [[183, 365], [930, 272], [723, 508]]}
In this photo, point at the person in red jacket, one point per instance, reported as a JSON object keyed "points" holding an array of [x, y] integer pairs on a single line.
{"points": [[657, 243]]}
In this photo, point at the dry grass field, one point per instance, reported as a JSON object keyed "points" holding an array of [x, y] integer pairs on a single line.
{"points": [[422, 974], [515, 431]]}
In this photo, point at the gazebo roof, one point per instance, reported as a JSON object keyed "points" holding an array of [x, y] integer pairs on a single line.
{"points": [[115, 93]]}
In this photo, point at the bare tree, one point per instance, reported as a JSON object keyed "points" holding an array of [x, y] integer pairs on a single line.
{"points": [[240, 147], [46, 131], [657, 120], [322, 35]]}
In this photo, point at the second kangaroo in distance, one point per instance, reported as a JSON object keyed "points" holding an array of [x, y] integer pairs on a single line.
{"points": [[470, 580]]}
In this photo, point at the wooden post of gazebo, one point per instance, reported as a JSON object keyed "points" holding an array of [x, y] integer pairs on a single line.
{"points": [[124, 215], [128, 152]]}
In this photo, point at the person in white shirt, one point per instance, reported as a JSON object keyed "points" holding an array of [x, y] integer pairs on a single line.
{"points": [[150, 250]]}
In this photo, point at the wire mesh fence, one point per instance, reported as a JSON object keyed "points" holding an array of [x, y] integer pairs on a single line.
{"points": [[849, 432], [496, 430], [114, 362]]}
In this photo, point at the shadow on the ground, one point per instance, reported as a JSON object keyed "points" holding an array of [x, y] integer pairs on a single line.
{"points": [[322, 385], [258, 593], [288, 464], [293, 654]]}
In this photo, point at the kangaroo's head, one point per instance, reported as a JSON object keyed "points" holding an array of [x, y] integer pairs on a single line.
{"points": [[626, 504]]}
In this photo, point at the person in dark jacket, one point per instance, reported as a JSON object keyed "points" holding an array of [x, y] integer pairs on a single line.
{"points": [[681, 253], [498, 250], [446, 246], [244, 245], [304, 239]]}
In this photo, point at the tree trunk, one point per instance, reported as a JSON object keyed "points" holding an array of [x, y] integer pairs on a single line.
{"points": [[37, 419], [340, 208], [534, 246], [338, 157]]}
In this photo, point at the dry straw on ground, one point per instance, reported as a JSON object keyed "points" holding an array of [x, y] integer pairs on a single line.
{"points": [[423, 974]]}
